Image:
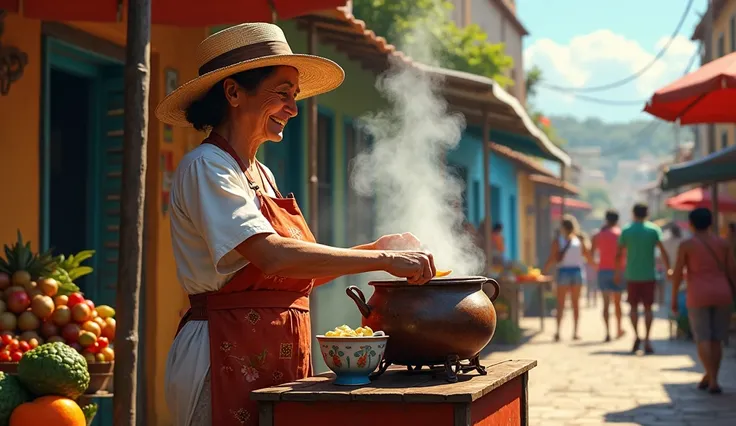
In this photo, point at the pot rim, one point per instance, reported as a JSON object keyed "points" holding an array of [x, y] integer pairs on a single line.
{"points": [[436, 282]]}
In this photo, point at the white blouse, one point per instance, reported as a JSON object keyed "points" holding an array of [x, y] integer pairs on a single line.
{"points": [[213, 210]]}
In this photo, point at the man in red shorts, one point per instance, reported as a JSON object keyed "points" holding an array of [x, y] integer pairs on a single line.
{"points": [[638, 241]]}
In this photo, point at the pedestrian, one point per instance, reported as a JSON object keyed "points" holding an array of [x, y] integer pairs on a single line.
{"points": [[638, 242], [605, 243], [570, 253], [591, 285], [670, 244], [711, 272]]}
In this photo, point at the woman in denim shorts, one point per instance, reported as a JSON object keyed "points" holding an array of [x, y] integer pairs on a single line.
{"points": [[709, 262], [570, 252]]}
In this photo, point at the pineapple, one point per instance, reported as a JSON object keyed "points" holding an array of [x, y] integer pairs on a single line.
{"points": [[23, 265]]}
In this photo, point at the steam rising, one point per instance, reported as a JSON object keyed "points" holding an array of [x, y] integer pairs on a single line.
{"points": [[405, 169]]}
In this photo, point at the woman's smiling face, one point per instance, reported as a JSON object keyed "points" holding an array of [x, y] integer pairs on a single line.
{"points": [[268, 110]]}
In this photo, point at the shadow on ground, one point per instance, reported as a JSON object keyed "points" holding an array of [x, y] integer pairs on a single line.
{"points": [[687, 406]]}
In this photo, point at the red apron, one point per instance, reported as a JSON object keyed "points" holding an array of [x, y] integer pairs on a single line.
{"points": [[259, 325]]}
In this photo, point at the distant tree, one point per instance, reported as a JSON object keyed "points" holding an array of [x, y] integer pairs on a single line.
{"points": [[533, 77], [411, 22]]}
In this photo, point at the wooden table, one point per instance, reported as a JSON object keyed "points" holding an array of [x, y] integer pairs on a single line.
{"points": [[541, 282], [400, 397]]}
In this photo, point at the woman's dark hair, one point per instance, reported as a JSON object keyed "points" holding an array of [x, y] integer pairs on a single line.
{"points": [[497, 227], [701, 218], [210, 110], [611, 218], [676, 231]]}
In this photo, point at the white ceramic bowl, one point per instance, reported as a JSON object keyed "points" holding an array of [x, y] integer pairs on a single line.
{"points": [[352, 359]]}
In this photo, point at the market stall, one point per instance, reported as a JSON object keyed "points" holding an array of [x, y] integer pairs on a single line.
{"points": [[56, 346], [400, 397]]}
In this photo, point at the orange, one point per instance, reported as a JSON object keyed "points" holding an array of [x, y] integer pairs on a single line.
{"points": [[48, 410]]}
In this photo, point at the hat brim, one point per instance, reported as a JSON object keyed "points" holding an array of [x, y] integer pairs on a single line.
{"points": [[317, 75]]}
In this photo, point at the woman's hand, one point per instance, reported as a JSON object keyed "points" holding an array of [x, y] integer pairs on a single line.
{"points": [[405, 241], [416, 266]]}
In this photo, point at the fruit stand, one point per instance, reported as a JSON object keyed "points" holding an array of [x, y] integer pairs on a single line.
{"points": [[56, 346], [512, 276]]}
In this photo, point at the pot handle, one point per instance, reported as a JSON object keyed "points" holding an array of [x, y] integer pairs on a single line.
{"points": [[358, 297], [496, 287]]}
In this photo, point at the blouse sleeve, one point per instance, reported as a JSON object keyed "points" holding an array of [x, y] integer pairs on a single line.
{"points": [[222, 209]]}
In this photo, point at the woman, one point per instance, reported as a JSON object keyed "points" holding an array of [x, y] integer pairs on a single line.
{"points": [[570, 252], [605, 243], [243, 252], [710, 267], [498, 244]]}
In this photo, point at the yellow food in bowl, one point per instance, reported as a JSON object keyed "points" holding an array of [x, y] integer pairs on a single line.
{"points": [[346, 331]]}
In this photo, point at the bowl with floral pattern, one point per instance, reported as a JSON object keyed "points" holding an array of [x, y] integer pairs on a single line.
{"points": [[352, 359]]}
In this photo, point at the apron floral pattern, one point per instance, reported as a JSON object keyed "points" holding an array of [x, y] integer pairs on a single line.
{"points": [[259, 325]]}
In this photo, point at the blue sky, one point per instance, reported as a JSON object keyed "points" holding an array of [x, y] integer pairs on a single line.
{"points": [[583, 43]]}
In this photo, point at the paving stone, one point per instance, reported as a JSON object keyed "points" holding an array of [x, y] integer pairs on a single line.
{"points": [[592, 382]]}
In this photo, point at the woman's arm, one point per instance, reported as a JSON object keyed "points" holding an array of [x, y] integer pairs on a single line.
{"points": [[552, 257], [677, 273], [288, 257]]}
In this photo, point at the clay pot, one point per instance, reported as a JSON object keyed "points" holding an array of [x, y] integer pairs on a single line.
{"points": [[427, 323]]}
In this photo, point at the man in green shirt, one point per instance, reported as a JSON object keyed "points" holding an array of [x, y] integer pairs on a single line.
{"points": [[639, 241]]}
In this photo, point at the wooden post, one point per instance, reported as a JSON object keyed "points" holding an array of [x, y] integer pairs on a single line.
{"points": [[563, 199], [137, 76], [312, 143], [487, 191]]}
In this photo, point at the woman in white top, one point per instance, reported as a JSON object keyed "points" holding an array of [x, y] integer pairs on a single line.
{"points": [[570, 253], [244, 252]]}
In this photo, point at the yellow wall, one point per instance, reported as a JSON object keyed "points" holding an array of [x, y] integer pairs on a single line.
{"points": [[527, 223], [19, 145]]}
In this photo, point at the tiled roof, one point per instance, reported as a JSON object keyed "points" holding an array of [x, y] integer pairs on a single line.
{"points": [[570, 202], [554, 182], [526, 162]]}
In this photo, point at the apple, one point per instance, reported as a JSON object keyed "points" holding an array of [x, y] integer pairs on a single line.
{"points": [[18, 301], [4, 280], [8, 321], [48, 286], [92, 327], [42, 306], [103, 342], [81, 313], [108, 353], [109, 329], [62, 315], [75, 299], [61, 300], [28, 322], [70, 332], [49, 329]]}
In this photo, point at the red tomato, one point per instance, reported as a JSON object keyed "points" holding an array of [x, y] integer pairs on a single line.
{"points": [[13, 346], [6, 338], [91, 304], [75, 299], [24, 347], [93, 348], [4, 356], [103, 342], [16, 356]]}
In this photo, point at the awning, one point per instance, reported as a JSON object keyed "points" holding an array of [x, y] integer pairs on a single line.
{"points": [[171, 12], [698, 197], [522, 161], [719, 166], [572, 203], [554, 183], [467, 93]]}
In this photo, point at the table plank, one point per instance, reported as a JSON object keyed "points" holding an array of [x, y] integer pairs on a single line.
{"points": [[398, 385]]}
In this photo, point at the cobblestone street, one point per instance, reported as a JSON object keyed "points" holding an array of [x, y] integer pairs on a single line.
{"points": [[590, 382]]}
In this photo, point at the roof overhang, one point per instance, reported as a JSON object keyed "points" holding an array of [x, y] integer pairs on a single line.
{"points": [[554, 183], [476, 97], [719, 166]]}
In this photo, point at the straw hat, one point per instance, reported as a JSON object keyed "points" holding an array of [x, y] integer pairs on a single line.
{"points": [[244, 47]]}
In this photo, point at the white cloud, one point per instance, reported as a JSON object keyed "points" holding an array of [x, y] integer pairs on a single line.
{"points": [[603, 56]]}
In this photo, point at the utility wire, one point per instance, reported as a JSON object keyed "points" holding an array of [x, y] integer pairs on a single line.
{"points": [[633, 76], [610, 102]]}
